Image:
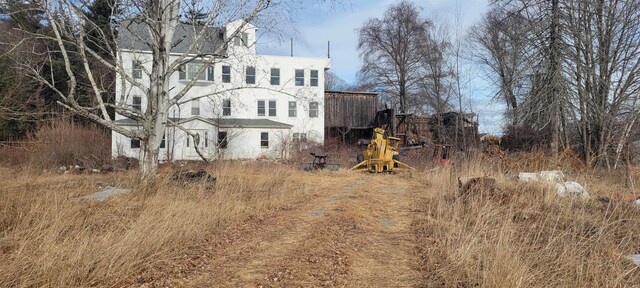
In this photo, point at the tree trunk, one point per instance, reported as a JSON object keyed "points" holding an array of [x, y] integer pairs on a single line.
{"points": [[149, 163]]}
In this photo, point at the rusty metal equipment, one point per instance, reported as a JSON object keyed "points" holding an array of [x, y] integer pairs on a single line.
{"points": [[381, 154], [442, 154], [320, 163]]}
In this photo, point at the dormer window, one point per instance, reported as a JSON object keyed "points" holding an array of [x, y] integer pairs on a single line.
{"points": [[242, 39]]}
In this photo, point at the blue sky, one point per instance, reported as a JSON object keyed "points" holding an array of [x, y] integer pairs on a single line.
{"points": [[318, 21]]}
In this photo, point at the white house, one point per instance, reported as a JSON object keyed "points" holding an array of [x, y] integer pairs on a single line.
{"points": [[244, 106]]}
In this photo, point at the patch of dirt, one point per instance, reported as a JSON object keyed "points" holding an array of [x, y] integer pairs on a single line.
{"points": [[356, 234]]}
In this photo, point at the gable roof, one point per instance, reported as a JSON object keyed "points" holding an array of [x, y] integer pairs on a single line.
{"points": [[134, 35]]}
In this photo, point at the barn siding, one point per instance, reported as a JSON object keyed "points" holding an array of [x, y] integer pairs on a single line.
{"points": [[346, 109]]}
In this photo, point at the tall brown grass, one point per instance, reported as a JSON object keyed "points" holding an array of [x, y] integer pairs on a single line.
{"points": [[523, 235], [48, 238], [59, 142]]}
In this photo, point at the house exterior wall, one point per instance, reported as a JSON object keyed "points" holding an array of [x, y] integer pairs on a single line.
{"points": [[211, 93]]}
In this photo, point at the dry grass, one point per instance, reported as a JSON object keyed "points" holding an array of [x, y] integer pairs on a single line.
{"points": [[49, 239], [520, 236], [58, 142], [524, 235]]}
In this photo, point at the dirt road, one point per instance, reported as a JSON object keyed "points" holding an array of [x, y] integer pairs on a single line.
{"points": [[353, 235]]}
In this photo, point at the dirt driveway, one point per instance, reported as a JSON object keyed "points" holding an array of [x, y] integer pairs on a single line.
{"points": [[356, 234]]}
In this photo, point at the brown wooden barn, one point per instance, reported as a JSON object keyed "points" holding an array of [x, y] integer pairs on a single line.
{"points": [[349, 115]]}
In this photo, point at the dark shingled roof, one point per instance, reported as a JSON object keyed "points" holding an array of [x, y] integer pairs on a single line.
{"points": [[221, 122], [135, 36]]}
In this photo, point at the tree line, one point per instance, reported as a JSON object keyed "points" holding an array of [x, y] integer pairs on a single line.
{"points": [[567, 71]]}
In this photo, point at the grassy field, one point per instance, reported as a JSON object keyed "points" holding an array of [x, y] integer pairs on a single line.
{"points": [[520, 235]]}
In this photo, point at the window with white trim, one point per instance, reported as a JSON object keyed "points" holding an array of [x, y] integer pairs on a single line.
{"points": [[261, 108], [226, 74], [136, 69], [275, 76], [314, 78], [299, 77], [272, 108], [250, 72], [313, 109], [195, 107], [243, 40], [264, 140], [136, 103], [226, 107], [190, 70], [293, 109]]}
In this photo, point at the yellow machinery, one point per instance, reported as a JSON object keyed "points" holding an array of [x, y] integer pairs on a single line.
{"points": [[381, 154]]}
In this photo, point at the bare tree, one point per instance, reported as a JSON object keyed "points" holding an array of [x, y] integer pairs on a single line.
{"points": [[500, 45], [151, 24], [390, 49], [334, 83], [604, 64]]}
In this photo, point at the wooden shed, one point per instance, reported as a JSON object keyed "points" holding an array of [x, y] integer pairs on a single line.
{"points": [[349, 115]]}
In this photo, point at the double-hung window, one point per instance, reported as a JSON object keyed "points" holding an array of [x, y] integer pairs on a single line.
{"points": [[275, 76], [250, 75], [210, 75], [226, 74], [314, 78], [313, 109], [137, 103], [136, 70], [293, 109], [264, 140], [299, 77], [226, 107], [272, 108], [195, 107], [261, 108], [242, 40]]}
